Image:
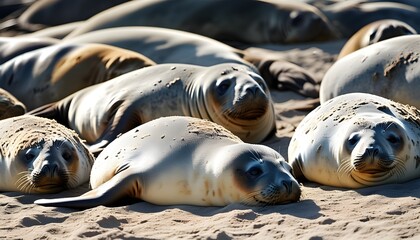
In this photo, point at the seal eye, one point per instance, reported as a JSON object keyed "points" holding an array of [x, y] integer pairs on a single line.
{"points": [[223, 87], [354, 138], [254, 172], [296, 18], [30, 155], [66, 155], [393, 139]]}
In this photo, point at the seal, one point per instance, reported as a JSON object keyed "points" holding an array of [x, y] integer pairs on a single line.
{"points": [[357, 140], [348, 17], [38, 155], [11, 47], [278, 21], [49, 74], [10, 106], [183, 160], [43, 14], [389, 68], [375, 32], [173, 46], [231, 95]]}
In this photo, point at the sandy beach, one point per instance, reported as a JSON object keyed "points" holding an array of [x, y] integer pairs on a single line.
{"points": [[382, 212]]}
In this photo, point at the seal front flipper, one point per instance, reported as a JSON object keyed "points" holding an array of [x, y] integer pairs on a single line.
{"points": [[50, 111], [121, 121], [284, 75], [125, 184]]}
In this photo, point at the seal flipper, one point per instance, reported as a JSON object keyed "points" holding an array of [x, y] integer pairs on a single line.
{"points": [[122, 121], [284, 75], [125, 184], [51, 111]]}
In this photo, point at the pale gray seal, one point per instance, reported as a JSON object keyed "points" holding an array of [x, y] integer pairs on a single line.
{"points": [[357, 140], [38, 155], [231, 95], [389, 68], [183, 160]]}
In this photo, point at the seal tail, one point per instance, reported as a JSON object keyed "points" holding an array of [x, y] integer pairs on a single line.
{"points": [[124, 185]]}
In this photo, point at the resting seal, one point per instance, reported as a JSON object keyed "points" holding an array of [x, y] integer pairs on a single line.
{"points": [[10, 106], [231, 95], [348, 17], [264, 22], [38, 155], [375, 32], [52, 73], [390, 68], [46, 13], [357, 140], [183, 160], [172, 46]]}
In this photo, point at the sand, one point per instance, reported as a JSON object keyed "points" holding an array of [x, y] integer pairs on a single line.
{"points": [[382, 212]]}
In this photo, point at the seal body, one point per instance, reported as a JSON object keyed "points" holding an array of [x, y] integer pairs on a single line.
{"points": [[348, 17], [265, 21], [375, 32], [52, 73], [357, 140], [42, 14], [183, 160], [38, 155], [390, 69], [231, 95], [173, 46]]}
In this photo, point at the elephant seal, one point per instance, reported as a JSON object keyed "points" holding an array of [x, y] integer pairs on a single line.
{"points": [[45, 13], [375, 32], [357, 140], [389, 68], [11, 47], [231, 95], [52, 73], [278, 21], [183, 160], [173, 46], [38, 155], [10, 106], [348, 17]]}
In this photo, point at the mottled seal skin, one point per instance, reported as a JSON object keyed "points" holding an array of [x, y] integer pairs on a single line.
{"points": [[231, 95], [390, 69], [183, 160], [375, 32], [52, 73], [11, 47], [357, 140], [38, 155], [264, 22], [173, 46], [10, 106]]}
